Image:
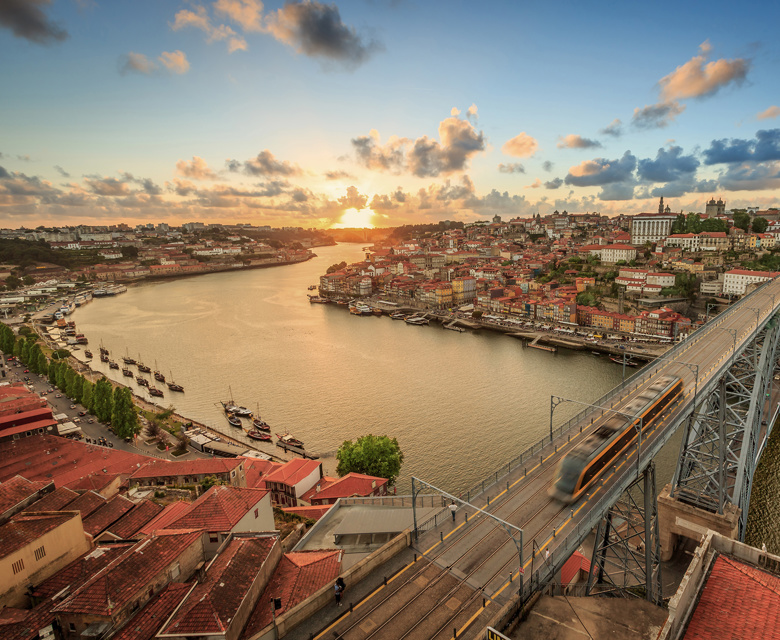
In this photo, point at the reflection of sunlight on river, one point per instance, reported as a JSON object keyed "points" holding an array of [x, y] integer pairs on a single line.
{"points": [[460, 404]]}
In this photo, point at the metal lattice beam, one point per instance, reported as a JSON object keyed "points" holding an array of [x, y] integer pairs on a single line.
{"points": [[720, 447], [627, 554]]}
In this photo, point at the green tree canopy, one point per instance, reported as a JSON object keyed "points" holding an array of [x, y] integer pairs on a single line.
{"points": [[124, 418], [372, 455], [693, 223], [742, 220], [711, 224], [680, 224], [103, 401], [760, 225]]}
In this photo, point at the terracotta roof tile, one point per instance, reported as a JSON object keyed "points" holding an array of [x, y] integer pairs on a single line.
{"points": [[129, 524], [164, 518], [24, 624], [54, 501], [255, 469], [147, 622], [93, 482], [352, 484], [315, 512], [297, 576], [219, 509], [213, 603], [26, 527], [16, 490], [208, 466], [87, 503], [573, 566], [120, 582], [292, 472], [80, 570], [737, 601], [99, 520]]}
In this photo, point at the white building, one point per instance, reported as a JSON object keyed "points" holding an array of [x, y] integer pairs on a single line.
{"points": [[613, 253], [651, 227], [736, 281], [686, 241]]}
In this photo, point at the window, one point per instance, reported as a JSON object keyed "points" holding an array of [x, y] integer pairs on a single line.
{"points": [[40, 552], [18, 566], [72, 627], [213, 537]]}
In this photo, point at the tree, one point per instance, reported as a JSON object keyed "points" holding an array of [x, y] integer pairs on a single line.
{"points": [[103, 402], [336, 267], [760, 225], [587, 299], [693, 223], [741, 220], [712, 224], [124, 418], [371, 455], [87, 394], [679, 225], [28, 280], [12, 282]]}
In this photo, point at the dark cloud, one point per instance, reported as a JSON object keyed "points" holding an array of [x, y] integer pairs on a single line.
{"points": [[765, 146], [656, 116], [353, 199], [265, 164], [316, 30], [547, 165], [338, 175], [4, 173], [382, 203], [27, 19], [553, 184], [617, 191], [399, 195], [614, 129], [751, 177], [512, 167], [669, 165], [599, 172], [274, 188], [107, 186], [681, 187], [62, 171], [387, 157], [149, 187]]}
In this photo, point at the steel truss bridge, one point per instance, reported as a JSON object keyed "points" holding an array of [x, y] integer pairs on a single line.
{"points": [[510, 539]]}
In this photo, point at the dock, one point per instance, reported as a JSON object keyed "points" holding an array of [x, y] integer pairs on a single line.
{"points": [[535, 344], [298, 450]]}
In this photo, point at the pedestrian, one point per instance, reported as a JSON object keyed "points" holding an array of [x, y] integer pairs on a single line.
{"points": [[339, 589], [453, 509]]}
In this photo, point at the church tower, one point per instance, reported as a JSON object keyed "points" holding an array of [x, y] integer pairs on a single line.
{"points": [[661, 205]]}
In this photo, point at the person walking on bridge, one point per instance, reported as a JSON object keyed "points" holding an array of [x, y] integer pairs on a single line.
{"points": [[453, 509]]}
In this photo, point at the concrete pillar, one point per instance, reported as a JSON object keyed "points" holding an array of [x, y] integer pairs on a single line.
{"points": [[677, 518]]}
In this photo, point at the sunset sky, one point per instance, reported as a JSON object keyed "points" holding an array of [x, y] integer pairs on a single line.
{"points": [[393, 111]]}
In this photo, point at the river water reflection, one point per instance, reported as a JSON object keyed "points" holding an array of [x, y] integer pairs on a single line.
{"points": [[460, 404]]}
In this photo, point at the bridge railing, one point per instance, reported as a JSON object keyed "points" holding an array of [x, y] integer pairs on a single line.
{"points": [[564, 429]]}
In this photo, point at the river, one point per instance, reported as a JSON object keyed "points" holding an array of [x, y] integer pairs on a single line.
{"points": [[460, 404]]}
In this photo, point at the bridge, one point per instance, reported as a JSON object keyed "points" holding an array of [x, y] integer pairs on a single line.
{"points": [[510, 539]]}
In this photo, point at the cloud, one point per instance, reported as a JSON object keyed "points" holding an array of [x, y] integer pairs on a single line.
{"points": [[765, 147], [668, 166], [771, 112], [316, 30], [136, 63], [553, 184], [521, 146], [27, 19], [617, 191], [61, 171], [197, 169], [338, 175], [424, 157], [656, 116], [600, 172], [695, 79], [512, 167], [175, 61], [199, 19], [534, 185], [547, 165], [614, 129], [107, 186], [471, 113], [751, 177], [573, 141], [353, 199], [247, 13], [265, 164]]}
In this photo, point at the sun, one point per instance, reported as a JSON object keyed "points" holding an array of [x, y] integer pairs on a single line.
{"points": [[355, 219]]}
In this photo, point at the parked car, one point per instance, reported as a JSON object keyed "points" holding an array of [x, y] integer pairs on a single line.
{"points": [[82, 413], [73, 406]]}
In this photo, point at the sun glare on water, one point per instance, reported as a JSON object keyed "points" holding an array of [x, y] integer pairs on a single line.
{"points": [[355, 219]]}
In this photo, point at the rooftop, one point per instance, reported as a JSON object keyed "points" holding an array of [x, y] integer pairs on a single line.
{"points": [[106, 515], [27, 527], [147, 622], [129, 524], [207, 466], [164, 518], [16, 490], [87, 503], [53, 501], [352, 484], [219, 509], [292, 472]]}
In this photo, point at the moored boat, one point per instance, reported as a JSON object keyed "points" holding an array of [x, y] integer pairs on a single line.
{"points": [[416, 320], [154, 391], [285, 439], [103, 357], [629, 362], [173, 386], [143, 368], [234, 421], [113, 365], [157, 375], [127, 359], [127, 373], [318, 300], [88, 354], [260, 424], [258, 435], [142, 381]]}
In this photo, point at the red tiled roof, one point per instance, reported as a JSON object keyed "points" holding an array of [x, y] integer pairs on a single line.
{"points": [[297, 576], [573, 566], [352, 484], [107, 515], [737, 601], [132, 521], [80, 570], [213, 603], [93, 482], [120, 582], [255, 469], [62, 460], [87, 503], [208, 466], [24, 624], [26, 527], [17, 490], [219, 509], [292, 472], [315, 512], [147, 622], [746, 272], [164, 518], [54, 501]]}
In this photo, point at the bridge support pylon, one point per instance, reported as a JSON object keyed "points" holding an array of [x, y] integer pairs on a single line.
{"points": [[626, 557]]}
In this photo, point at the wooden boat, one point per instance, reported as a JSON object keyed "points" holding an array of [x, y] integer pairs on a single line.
{"points": [[157, 375], [127, 359], [103, 350], [234, 421], [103, 357], [286, 439], [88, 354], [127, 373], [173, 386], [113, 365], [262, 425], [142, 381], [154, 391], [258, 435], [629, 361]]}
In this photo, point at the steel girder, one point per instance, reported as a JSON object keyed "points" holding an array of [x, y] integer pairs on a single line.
{"points": [[627, 554], [720, 446]]}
